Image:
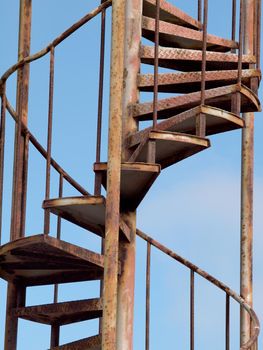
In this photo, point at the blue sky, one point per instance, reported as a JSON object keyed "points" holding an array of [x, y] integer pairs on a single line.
{"points": [[193, 207]]}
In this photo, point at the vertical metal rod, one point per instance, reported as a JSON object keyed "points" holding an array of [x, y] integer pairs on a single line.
{"points": [[204, 52], [199, 10], [49, 138], [16, 293], [2, 154], [112, 216], [55, 329], [247, 168], [201, 119], [227, 322], [24, 184], [234, 15], [148, 281], [240, 47], [97, 186], [192, 310], [156, 63]]}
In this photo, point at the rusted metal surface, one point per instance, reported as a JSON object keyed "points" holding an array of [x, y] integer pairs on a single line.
{"points": [[97, 185], [112, 216], [234, 13], [170, 13], [93, 343], [218, 97], [191, 60], [136, 180], [201, 120], [156, 62], [177, 36], [148, 281], [191, 81], [232, 294], [62, 313], [16, 293], [192, 310], [49, 137], [247, 172], [2, 154], [227, 322]]}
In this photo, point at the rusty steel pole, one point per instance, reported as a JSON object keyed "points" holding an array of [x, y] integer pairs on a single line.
{"points": [[246, 255], [126, 283], [111, 252], [15, 293]]}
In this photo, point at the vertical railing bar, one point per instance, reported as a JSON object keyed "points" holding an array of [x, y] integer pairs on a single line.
{"points": [[60, 194], [2, 153], [24, 184], [192, 311], [227, 322], [148, 281], [49, 138], [97, 186], [240, 46], [199, 10], [258, 33], [234, 15], [204, 52], [156, 63]]}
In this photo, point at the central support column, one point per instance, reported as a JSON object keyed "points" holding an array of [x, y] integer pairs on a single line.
{"points": [[128, 249], [246, 254], [15, 292], [111, 252]]}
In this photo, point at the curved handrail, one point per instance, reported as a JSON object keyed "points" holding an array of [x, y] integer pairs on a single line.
{"points": [[213, 280], [35, 57], [55, 42]]}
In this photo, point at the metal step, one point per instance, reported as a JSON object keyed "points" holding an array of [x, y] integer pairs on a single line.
{"points": [[217, 121], [91, 343], [173, 35], [85, 211], [41, 259], [220, 97], [191, 60], [136, 180], [62, 313], [172, 147], [191, 81], [170, 13]]}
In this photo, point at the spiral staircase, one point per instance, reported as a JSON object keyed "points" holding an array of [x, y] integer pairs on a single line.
{"points": [[210, 82]]}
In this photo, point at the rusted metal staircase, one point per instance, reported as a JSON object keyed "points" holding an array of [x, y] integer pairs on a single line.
{"points": [[212, 82]]}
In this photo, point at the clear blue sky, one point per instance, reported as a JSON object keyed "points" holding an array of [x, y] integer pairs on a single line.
{"points": [[193, 207]]}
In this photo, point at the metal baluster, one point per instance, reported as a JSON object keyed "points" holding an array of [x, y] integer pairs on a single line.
{"points": [[49, 138], [201, 121], [148, 281], [2, 154], [55, 329], [234, 15], [192, 311], [227, 322], [97, 186], [24, 183]]}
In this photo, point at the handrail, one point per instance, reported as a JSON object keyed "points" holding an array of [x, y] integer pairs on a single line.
{"points": [[213, 280], [55, 42]]}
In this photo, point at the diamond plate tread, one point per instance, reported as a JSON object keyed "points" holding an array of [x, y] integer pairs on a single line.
{"points": [[219, 97], [41, 259], [217, 121], [191, 81], [91, 343], [170, 13], [191, 60], [62, 313], [177, 36]]}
